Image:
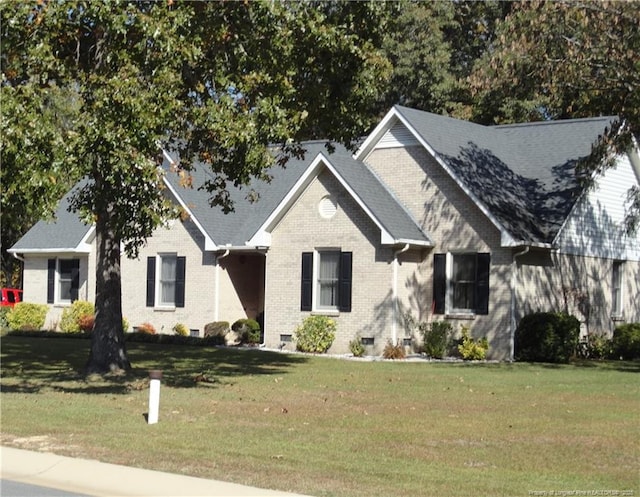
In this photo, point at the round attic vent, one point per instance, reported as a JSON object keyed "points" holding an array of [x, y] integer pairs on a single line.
{"points": [[327, 207]]}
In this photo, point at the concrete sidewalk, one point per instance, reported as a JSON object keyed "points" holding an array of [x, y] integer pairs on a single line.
{"points": [[109, 480]]}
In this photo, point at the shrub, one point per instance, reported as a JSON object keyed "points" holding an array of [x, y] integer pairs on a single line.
{"points": [[26, 316], [248, 330], [181, 329], [436, 338], [595, 346], [125, 324], [4, 323], [70, 320], [217, 329], [393, 351], [546, 337], [315, 334], [470, 349], [146, 328], [626, 341], [356, 347], [86, 323]]}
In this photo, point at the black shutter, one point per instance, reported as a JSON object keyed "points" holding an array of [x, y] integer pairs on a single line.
{"points": [[482, 283], [344, 282], [151, 281], [180, 273], [439, 283], [51, 280], [306, 293], [75, 279]]}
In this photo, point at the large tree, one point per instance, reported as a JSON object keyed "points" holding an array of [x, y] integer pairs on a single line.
{"points": [[433, 47], [555, 60], [219, 82]]}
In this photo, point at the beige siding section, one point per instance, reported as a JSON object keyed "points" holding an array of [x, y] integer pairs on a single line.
{"points": [[581, 286]]}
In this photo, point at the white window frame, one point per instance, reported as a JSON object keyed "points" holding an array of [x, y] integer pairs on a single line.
{"points": [[617, 288], [159, 303], [317, 294]]}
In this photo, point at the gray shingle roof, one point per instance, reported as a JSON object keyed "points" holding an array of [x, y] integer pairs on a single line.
{"points": [[63, 234], [237, 227], [384, 206], [524, 174]]}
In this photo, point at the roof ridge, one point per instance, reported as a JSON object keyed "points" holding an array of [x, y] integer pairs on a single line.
{"points": [[555, 121]]}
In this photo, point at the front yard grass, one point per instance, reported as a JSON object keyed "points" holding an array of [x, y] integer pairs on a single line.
{"points": [[328, 427]]}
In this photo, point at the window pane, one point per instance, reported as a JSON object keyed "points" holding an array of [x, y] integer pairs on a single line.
{"points": [[616, 286], [168, 279], [66, 267], [328, 275], [65, 278], [65, 289], [463, 282]]}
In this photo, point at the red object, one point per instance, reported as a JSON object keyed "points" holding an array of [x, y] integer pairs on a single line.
{"points": [[10, 297]]}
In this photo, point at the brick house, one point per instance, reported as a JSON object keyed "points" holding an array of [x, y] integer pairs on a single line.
{"points": [[432, 216]]}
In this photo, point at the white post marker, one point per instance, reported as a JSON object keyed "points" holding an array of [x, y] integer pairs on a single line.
{"points": [[154, 396]]}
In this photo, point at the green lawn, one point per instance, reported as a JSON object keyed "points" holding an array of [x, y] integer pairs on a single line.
{"points": [[328, 427]]}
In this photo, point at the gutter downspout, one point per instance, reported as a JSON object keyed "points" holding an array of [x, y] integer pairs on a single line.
{"points": [[216, 309], [20, 258], [514, 283], [394, 296]]}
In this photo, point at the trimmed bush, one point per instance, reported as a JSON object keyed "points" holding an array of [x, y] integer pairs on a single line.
{"points": [[181, 329], [626, 341], [71, 316], [248, 330], [437, 338], [547, 337], [217, 329], [146, 328], [26, 316], [315, 334], [356, 347], [86, 323], [470, 349]]}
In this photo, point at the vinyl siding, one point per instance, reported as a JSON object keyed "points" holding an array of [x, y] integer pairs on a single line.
{"points": [[595, 228], [579, 285]]}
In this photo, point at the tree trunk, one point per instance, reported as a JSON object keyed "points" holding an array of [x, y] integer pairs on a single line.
{"points": [[108, 351]]}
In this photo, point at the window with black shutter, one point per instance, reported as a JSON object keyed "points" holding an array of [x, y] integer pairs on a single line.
{"points": [[326, 281], [166, 281], [461, 283], [63, 280]]}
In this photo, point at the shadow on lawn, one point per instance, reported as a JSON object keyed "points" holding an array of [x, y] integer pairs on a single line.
{"points": [[30, 365]]}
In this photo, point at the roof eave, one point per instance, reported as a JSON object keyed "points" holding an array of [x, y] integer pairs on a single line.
{"points": [[80, 249]]}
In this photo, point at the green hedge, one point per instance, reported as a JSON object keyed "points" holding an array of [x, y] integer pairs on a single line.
{"points": [[625, 343], [547, 337], [27, 316]]}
